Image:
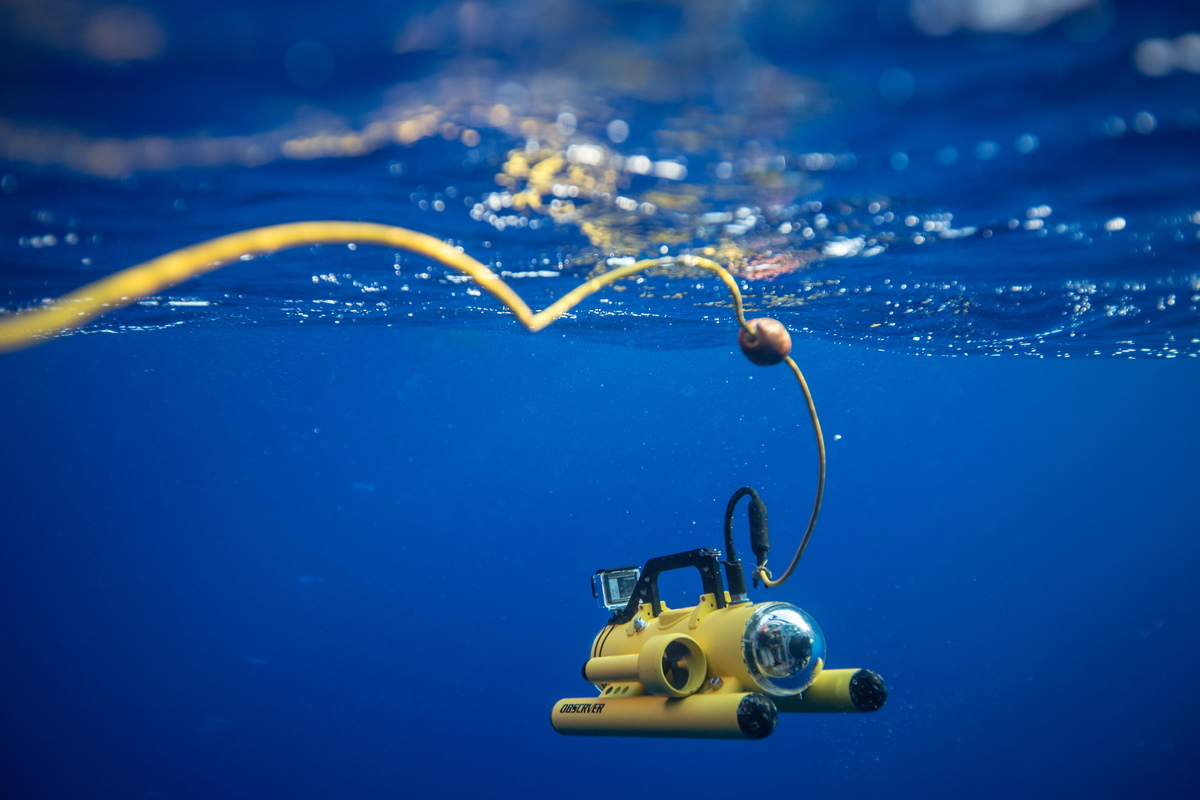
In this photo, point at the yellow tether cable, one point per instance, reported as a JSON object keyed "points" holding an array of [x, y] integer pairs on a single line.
{"points": [[763, 574], [33, 325]]}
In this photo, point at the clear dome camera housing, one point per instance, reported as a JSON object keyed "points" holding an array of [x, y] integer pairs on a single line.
{"points": [[783, 649]]}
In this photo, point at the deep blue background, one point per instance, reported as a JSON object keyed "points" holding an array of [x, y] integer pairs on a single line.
{"points": [[202, 597], [248, 557]]}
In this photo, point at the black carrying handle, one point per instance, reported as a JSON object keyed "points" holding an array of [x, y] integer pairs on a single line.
{"points": [[705, 560]]}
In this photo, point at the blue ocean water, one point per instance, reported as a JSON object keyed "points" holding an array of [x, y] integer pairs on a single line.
{"points": [[321, 524]]}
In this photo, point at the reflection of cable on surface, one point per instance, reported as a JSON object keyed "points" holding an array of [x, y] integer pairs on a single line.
{"points": [[33, 325], [29, 326]]}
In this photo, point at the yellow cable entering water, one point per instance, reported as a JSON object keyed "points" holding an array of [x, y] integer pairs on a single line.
{"points": [[31, 326], [763, 575]]}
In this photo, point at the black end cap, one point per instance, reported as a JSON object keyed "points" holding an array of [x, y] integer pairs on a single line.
{"points": [[757, 716], [868, 692]]}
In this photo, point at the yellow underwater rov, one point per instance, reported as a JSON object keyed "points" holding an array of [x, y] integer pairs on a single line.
{"points": [[725, 667]]}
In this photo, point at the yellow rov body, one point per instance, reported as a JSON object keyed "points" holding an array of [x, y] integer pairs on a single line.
{"points": [[723, 668]]}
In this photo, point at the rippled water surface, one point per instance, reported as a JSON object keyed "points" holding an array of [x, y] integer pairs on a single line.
{"points": [[1024, 188]]}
